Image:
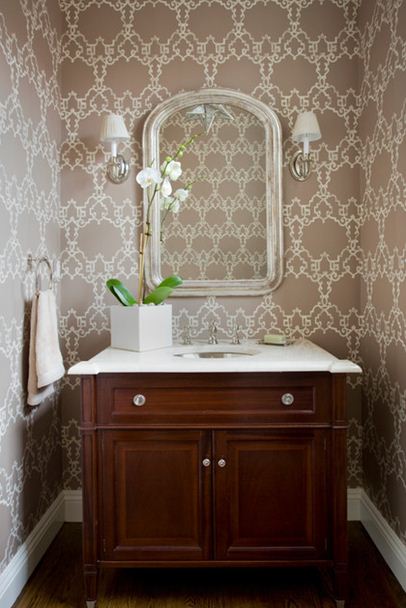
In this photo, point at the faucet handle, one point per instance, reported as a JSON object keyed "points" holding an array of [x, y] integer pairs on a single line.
{"points": [[213, 333], [186, 337], [237, 336]]}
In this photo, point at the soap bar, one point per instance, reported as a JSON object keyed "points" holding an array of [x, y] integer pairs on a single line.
{"points": [[274, 339]]}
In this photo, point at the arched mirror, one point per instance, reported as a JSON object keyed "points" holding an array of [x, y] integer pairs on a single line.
{"points": [[226, 238]]}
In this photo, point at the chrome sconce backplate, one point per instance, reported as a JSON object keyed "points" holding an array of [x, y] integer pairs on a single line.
{"points": [[117, 169], [300, 166]]}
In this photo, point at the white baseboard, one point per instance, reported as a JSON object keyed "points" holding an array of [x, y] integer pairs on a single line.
{"points": [[68, 508], [19, 569], [392, 549], [354, 504], [73, 505]]}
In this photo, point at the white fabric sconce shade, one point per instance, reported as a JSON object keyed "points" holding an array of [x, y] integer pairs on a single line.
{"points": [[306, 129], [113, 130]]}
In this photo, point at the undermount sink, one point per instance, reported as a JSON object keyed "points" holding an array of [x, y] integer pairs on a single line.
{"points": [[215, 354]]}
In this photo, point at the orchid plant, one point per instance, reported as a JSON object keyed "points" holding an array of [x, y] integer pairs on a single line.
{"points": [[156, 181]]}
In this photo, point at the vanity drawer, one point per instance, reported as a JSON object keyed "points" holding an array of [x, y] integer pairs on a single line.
{"points": [[213, 399]]}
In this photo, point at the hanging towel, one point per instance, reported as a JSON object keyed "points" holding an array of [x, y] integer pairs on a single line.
{"points": [[45, 359]]}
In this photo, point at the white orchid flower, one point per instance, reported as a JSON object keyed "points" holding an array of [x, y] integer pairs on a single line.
{"points": [[173, 169], [147, 177], [181, 194], [166, 188], [166, 202], [175, 206], [169, 203]]}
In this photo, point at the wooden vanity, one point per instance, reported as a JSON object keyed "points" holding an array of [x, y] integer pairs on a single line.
{"points": [[213, 469]]}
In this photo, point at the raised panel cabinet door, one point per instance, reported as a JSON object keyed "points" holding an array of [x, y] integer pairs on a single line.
{"points": [[270, 494], [156, 495]]}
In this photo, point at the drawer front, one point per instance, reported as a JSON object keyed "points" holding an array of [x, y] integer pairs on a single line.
{"points": [[213, 399]]}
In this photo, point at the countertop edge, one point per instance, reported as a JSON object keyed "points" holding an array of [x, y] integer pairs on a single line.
{"points": [[85, 368]]}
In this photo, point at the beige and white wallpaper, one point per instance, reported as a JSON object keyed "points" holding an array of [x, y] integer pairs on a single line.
{"points": [[128, 56], [30, 138], [383, 240], [64, 64]]}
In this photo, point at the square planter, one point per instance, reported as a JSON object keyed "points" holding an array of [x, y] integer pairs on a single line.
{"points": [[141, 328]]}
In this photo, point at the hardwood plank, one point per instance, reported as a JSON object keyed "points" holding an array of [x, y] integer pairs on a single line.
{"points": [[57, 583]]}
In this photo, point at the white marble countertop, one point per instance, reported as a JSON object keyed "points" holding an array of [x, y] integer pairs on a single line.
{"points": [[301, 356]]}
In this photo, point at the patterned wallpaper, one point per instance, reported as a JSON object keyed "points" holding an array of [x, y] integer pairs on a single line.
{"points": [[383, 239], [30, 136], [128, 56], [220, 230]]}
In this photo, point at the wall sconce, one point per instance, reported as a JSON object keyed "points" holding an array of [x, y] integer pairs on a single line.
{"points": [[306, 129], [113, 130]]}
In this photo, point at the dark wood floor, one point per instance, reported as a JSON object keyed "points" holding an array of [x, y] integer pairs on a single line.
{"points": [[57, 583]]}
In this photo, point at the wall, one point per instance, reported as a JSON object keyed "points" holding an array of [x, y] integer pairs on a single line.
{"points": [[30, 451], [383, 295], [127, 56]]}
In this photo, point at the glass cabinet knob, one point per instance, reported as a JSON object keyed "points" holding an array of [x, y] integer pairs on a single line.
{"points": [[222, 463], [287, 399], [206, 462], [139, 400]]}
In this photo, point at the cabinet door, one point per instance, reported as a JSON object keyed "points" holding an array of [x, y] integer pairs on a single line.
{"points": [[156, 495], [270, 494]]}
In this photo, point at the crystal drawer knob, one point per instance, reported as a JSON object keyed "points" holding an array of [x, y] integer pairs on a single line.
{"points": [[287, 399], [222, 463], [139, 400], [206, 462]]}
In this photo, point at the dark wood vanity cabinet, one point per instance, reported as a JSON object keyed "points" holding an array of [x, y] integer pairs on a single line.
{"points": [[270, 497], [214, 470], [159, 495]]}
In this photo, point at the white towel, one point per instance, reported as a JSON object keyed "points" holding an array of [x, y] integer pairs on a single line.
{"points": [[45, 359]]}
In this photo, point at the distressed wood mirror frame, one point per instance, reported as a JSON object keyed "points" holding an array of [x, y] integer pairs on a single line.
{"points": [[273, 189]]}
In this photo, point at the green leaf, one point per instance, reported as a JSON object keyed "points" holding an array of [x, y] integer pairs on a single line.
{"points": [[158, 295], [164, 290], [172, 281], [122, 294]]}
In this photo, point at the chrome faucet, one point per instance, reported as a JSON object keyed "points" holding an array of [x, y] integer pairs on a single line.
{"points": [[186, 338], [213, 334], [237, 335]]}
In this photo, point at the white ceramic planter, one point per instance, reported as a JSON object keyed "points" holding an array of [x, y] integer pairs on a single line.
{"points": [[141, 328]]}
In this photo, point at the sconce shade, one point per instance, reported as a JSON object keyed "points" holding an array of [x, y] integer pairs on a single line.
{"points": [[113, 129], [306, 127]]}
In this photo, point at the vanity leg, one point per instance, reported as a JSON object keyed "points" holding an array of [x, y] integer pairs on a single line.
{"points": [[338, 480], [89, 485], [90, 569], [91, 580], [340, 583]]}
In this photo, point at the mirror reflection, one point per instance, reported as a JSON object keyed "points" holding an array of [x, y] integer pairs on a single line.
{"points": [[225, 238], [219, 232]]}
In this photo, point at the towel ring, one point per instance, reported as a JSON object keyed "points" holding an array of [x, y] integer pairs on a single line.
{"points": [[39, 261], [38, 276]]}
